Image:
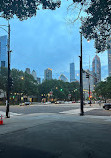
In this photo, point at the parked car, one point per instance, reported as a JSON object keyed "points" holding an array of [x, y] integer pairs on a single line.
{"points": [[26, 103], [107, 106]]}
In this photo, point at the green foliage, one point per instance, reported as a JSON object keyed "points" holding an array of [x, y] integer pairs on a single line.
{"points": [[96, 24], [25, 8], [22, 82], [60, 89], [104, 89], [3, 78]]}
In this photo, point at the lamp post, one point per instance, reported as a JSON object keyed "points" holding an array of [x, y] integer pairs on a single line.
{"points": [[8, 77], [81, 79]]}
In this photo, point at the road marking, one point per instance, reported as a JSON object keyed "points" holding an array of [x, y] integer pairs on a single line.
{"points": [[77, 111], [10, 114]]}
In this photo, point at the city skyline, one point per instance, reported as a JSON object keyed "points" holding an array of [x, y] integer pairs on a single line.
{"points": [[50, 42]]}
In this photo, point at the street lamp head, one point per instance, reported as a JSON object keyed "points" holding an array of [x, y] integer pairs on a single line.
{"points": [[88, 40]]}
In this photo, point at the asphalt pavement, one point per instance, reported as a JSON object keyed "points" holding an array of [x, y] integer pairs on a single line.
{"points": [[47, 135], [95, 109]]}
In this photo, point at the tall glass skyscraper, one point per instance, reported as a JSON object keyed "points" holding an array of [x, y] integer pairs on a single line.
{"points": [[96, 67], [3, 51], [72, 72], [48, 74], [109, 57]]}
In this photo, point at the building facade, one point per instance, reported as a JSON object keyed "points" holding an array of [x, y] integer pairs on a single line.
{"points": [[34, 74], [48, 74], [109, 57], [3, 51], [27, 70], [96, 68], [38, 80], [63, 78], [72, 72]]}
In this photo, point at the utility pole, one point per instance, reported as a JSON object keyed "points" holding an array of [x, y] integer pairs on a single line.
{"points": [[89, 82], [8, 80], [81, 79]]}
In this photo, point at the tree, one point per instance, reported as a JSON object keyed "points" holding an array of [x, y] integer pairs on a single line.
{"points": [[25, 8], [23, 83], [103, 89], [97, 24], [60, 89], [3, 78]]}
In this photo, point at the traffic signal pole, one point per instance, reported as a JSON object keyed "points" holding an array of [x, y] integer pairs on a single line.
{"points": [[81, 79], [8, 81]]}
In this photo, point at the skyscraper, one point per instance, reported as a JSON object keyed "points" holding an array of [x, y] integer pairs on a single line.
{"points": [[48, 74], [38, 80], [72, 72], [34, 74], [63, 78], [27, 70], [3, 51], [96, 67], [109, 57]]}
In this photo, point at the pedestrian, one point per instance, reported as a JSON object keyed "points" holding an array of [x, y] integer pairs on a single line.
{"points": [[100, 103]]}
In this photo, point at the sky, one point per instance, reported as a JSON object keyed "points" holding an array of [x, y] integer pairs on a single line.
{"points": [[49, 40]]}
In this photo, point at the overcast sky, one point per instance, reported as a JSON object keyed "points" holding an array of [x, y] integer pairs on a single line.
{"points": [[50, 41]]}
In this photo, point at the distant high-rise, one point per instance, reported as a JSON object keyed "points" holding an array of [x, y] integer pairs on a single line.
{"points": [[63, 78], [3, 51], [109, 57], [72, 72], [38, 80], [96, 68], [34, 74], [48, 74], [27, 70]]}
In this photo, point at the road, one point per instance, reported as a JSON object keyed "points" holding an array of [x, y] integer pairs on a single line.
{"points": [[52, 131], [55, 136], [57, 108]]}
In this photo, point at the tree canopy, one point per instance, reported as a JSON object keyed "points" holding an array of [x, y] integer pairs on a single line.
{"points": [[60, 89], [25, 8], [103, 89], [97, 24]]}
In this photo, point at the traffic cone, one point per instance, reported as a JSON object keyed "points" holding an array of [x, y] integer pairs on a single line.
{"points": [[1, 120]]}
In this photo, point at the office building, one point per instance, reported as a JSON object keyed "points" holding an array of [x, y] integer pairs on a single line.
{"points": [[27, 70], [96, 67], [72, 72], [63, 78], [38, 80], [3, 51], [34, 74], [109, 57], [48, 74]]}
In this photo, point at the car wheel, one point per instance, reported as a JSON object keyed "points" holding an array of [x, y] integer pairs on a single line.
{"points": [[106, 108]]}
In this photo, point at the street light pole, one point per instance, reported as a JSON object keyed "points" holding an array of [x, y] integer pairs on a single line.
{"points": [[8, 81], [81, 79]]}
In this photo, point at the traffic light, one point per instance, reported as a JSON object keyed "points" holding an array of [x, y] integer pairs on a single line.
{"points": [[10, 82], [61, 89], [87, 75]]}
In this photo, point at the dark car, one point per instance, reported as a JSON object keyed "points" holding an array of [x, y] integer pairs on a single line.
{"points": [[107, 106]]}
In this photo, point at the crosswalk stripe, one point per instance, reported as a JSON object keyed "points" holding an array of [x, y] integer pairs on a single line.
{"points": [[10, 113], [77, 111]]}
